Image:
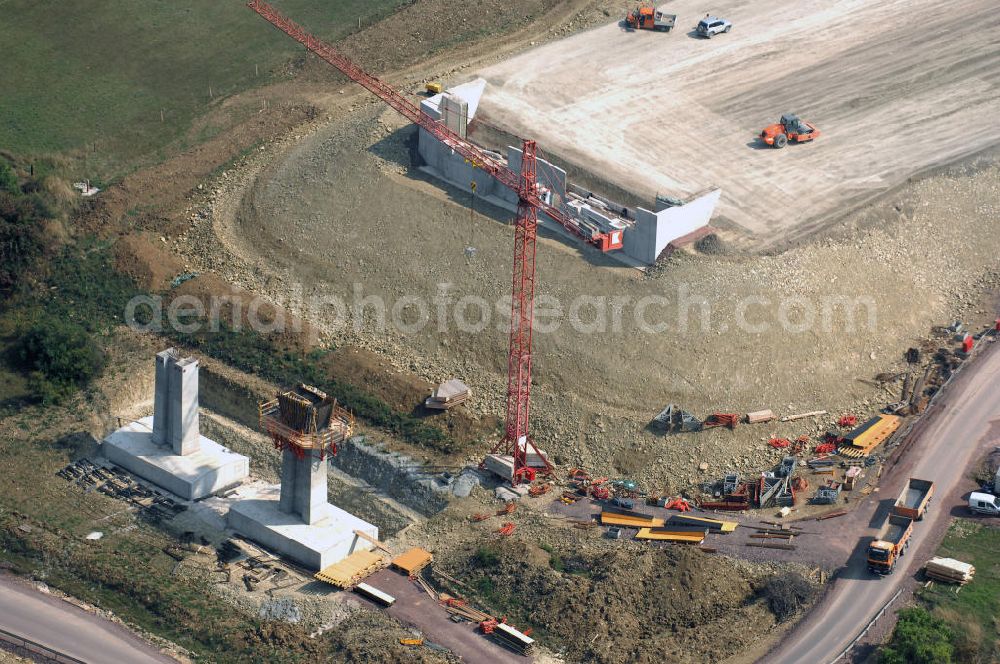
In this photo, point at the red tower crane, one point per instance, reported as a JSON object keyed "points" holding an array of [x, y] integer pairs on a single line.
{"points": [[516, 442]]}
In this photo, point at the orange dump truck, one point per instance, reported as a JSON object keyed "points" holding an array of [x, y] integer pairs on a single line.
{"points": [[889, 544], [912, 502]]}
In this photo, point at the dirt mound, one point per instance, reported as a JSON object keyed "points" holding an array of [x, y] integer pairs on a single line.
{"points": [[406, 392], [152, 267], [639, 604], [711, 244], [735, 333]]}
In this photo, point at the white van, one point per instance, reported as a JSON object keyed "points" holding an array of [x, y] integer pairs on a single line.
{"points": [[984, 503]]}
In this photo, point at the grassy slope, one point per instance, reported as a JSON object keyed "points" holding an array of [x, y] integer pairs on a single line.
{"points": [[973, 612], [91, 71]]}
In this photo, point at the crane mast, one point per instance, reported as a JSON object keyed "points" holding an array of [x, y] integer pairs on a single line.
{"points": [[516, 442]]}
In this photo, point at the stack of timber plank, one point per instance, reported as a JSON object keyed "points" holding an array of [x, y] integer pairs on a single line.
{"points": [[949, 570], [411, 562], [860, 442], [681, 534], [513, 638], [759, 416], [355, 567], [613, 516], [448, 395], [459, 608], [713, 525]]}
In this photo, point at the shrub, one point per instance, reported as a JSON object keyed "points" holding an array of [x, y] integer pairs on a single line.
{"points": [[60, 357], [786, 593], [22, 238], [485, 587], [486, 557], [555, 560], [919, 638], [8, 180]]}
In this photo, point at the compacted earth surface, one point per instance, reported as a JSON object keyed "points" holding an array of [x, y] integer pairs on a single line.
{"points": [[894, 88]]}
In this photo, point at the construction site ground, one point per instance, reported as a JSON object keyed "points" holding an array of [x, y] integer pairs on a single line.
{"points": [[896, 88], [319, 190], [813, 546], [555, 594], [338, 212]]}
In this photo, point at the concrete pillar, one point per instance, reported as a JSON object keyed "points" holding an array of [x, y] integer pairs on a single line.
{"points": [[303, 487], [175, 403], [160, 396], [182, 417], [286, 500]]}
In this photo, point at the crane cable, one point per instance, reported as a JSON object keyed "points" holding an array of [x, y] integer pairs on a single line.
{"points": [[470, 250]]}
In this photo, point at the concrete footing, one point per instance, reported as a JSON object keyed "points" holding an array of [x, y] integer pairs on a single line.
{"points": [[191, 476], [328, 541]]}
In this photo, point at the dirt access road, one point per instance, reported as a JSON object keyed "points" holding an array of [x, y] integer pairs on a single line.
{"points": [[68, 630], [963, 424], [895, 87]]}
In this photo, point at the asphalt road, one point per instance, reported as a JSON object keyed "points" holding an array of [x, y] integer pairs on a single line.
{"points": [[69, 630], [414, 607], [964, 424]]}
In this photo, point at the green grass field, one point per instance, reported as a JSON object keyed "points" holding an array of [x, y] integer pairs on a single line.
{"points": [[76, 74], [974, 611]]}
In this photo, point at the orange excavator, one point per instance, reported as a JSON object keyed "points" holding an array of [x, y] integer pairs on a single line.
{"points": [[646, 17]]}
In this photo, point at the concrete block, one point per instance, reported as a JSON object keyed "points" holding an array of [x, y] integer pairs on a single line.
{"points": [[535, 457], [470, 93], [500, 465], [464, 484], [192, 476], [314, 546], [505, 494]]}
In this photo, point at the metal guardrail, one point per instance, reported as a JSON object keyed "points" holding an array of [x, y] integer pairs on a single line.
{"points": [[870, 624], [38, 649], [340, 429]]}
